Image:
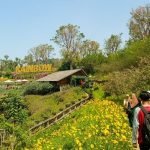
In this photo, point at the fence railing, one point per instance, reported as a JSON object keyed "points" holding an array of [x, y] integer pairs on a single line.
{"points": [[2, 136], [46, 123]]}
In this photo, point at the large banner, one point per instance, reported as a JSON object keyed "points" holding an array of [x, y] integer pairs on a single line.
{"points": [[34, 68]]}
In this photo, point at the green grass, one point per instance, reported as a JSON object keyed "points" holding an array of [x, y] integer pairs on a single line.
{"points": [[4, 91], [42, 107]]}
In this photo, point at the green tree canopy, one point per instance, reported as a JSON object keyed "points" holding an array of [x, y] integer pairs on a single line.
{"points": [[69, 38]]}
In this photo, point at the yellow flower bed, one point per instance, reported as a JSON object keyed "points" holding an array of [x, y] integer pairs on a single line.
{"points": [[99, 125]]}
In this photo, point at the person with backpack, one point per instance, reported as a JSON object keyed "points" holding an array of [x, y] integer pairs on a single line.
{"points": [[141, 122]]}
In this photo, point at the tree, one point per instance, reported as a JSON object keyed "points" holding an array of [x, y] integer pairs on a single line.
{"points": [[113, 44], [139, 24], [92, 62], [17, 61], [40, 54], [7, 65], [69, 38], [28, 59], [89, 47]]}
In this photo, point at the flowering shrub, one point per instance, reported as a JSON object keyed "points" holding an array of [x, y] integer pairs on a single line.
{"points": [[99, 125]]}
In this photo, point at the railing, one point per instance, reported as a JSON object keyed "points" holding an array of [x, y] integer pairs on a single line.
{"points": [[46, 123], [2, 136]]}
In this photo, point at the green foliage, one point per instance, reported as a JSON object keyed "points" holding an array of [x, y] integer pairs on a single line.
{"points": [[13, 109], [98, 92], [38, 88], [135, 79], [90, 62], [64, 66], [16, 137], [126, 58], [22, 138], [41, 107]]}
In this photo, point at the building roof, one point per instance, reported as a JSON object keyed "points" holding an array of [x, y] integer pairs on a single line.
{"points": [[57, 76]]}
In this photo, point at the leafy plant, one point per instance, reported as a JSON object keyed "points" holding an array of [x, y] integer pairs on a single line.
{"points": [[38, 88], [13, 109]]}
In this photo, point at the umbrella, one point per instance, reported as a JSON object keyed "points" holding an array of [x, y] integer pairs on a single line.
{"points": [[8, 81], [24, 80], [18, 81]]}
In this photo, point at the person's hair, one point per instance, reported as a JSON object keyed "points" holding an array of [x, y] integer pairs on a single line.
{"points": [[144, 95]]}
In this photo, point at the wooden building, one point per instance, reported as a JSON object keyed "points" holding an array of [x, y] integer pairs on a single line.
{"points": [[62, 78]]}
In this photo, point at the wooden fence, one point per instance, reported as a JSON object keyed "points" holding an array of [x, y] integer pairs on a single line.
{"points": [[46, 123], [2, 136]]}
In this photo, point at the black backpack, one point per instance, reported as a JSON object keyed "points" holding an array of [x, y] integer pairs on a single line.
{"points": [[146, 126], [130, 113]]}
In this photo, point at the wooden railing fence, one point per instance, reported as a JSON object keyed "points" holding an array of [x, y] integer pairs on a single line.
{"points": [[2, 136]]}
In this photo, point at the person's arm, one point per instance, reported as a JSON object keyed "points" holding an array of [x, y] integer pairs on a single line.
{"points": [[134, 100]]}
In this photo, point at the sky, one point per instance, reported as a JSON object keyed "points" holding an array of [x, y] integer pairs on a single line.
{"points": [[25, 24]]}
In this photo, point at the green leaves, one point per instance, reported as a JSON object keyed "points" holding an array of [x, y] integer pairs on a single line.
{"points": [[38, 88], [13, 109]]}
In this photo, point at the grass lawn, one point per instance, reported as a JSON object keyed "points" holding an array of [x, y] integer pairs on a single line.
{"points": [[42, 107]]}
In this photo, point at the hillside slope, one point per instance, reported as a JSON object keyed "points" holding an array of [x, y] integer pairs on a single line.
{"points": [[97, 125]]}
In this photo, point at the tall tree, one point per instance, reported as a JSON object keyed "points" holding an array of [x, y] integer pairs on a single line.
{"points": [[89, 47], [113, 43], [40, 54], [28, 59], [69, 38], [18, 61], [139, 24]]}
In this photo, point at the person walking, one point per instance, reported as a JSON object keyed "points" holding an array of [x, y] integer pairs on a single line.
{"points": [[141, 122], [130, 104]]}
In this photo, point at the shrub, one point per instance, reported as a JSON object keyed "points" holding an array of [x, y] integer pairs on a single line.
{"points": [[67, 105], [37, 88], [53, 113], [60, 109], [72, 102], [134, 79]]}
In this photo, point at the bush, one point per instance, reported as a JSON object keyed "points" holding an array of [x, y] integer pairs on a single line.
{"points": [[134, 79], [37, 88]]}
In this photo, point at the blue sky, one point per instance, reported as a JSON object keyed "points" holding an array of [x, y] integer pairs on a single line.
{"points": [[25, 24]]}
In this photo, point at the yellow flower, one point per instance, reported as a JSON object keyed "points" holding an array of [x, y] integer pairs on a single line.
{"points": [[77, 141], [114, 141], [80, 148], [105, 132], [123, 138], [89, 135], [92, 146]]}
